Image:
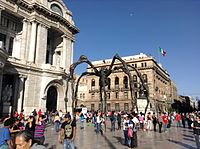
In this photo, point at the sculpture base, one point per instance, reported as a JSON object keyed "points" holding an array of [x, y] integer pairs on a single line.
{"points": [[142, 103]]}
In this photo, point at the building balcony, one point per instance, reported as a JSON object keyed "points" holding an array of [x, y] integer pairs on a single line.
{"points": [[124, 89], [115, 89], [94, 91]]}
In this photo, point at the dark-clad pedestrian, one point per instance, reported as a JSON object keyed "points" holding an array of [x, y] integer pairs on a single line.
{"points": [[119, 120], [136, 125], [68, 132], [160, 122], [183, 118], [196, 128], [30, 126], [154, 118]]}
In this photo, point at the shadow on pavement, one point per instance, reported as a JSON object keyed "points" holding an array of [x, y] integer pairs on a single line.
{"points": [[182, 144], [119, 139], [188, 139], [188, 130], [109, 143], [189, 136]]}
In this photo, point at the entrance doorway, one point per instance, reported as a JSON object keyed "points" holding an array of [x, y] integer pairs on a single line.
{"points": [[7, 102], [51, 103]]}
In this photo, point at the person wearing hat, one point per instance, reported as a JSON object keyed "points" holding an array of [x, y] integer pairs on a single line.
{"points": [[68, 132], [5, 138]]}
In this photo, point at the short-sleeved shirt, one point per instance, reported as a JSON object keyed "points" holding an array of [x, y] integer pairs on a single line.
{"points": [[165, 119], [196, 129], [68, 128], [39, 130], [135, 120], [4, 136]]}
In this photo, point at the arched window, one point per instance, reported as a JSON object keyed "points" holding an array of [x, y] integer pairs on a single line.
{"points": [[93, 84], [116, 83], [57, 9], [81, 96], [135, 81], [125, 82], [134, 78], [144, 76]]}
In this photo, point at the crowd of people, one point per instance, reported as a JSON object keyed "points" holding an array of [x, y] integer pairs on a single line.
{"points": [[18, 131], [132, 123], [21, 132]]}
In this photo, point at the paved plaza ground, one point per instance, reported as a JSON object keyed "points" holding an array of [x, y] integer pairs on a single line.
{"points": [[174, 138]]}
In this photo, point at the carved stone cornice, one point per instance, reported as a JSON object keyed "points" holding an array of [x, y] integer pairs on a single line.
{"points": [[46, 12]]}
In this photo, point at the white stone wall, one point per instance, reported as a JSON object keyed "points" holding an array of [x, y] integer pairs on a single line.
{"points": [[29, 54]]}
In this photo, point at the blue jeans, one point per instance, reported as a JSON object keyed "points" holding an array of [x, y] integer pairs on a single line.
{"points": [[98, 127], [165, 127], [57, 126], [126, 140], [68, 144], [178, 123], [197, 140], [82, 124], [112, 125]]}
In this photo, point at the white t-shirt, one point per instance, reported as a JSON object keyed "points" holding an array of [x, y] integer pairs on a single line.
{"points": [[135, 120], [99, 119], [124, 124]]}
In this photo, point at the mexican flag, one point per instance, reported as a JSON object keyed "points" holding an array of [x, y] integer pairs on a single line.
{"points": [[162, 51]]}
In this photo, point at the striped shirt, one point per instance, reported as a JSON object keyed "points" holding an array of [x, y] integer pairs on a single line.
{"points": [[39, 130]]}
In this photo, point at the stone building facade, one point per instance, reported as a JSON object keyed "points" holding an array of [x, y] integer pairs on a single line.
{"points": [[36, 50], [162, 91], [82, 95]]}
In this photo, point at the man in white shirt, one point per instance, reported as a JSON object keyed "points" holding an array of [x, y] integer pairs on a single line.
{"points": [[99, 120], [136, 122]]}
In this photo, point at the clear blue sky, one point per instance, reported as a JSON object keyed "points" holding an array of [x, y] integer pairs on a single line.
{"points": [[130, 27]]}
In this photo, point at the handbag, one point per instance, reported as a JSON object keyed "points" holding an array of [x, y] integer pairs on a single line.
{"points": [[130, 132]]}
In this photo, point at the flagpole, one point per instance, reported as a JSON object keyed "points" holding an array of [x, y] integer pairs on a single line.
{"points": [[159, 55]]}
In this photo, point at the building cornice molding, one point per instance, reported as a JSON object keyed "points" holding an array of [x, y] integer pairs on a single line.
{"points": [[31, 67], [35, 7]]}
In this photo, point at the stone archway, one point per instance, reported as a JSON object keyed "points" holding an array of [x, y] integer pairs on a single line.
{"points": [[52, 96]]}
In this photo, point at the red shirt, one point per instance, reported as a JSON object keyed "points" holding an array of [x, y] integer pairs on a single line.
{"points": [[178, 117], [40, 112], [165, 119], [21, 115], [16, 114]]}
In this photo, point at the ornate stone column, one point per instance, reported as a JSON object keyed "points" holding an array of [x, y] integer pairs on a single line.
{"points": [[1, 78], [1, 8], [64, 52], [31, 56], [41, 48], [69, 54], [28, 40], [7, 42], [23, 45], [21, 89], [72, 53], [16, 45]]}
